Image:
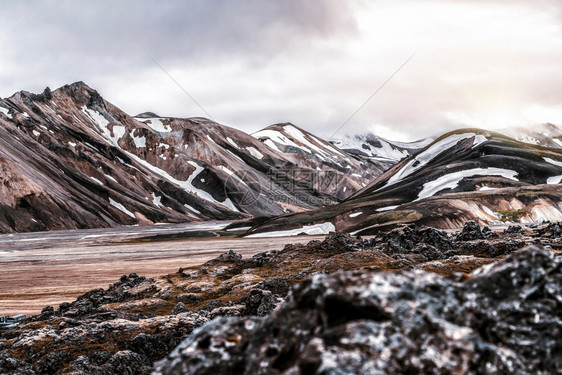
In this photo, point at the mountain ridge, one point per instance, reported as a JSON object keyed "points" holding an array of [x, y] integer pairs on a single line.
{"points": [[467, 174], [74, 160]]}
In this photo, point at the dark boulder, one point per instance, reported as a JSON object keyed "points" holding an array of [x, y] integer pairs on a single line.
{"points": [[413, 239], [514, 229], [470, 232], [259, 302]]}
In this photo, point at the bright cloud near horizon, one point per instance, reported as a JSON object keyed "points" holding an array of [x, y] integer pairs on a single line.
{"points": [[252, 63]]}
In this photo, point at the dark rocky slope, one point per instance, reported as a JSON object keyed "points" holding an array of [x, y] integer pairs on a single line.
{"points": [[467, 174], [136, 321], [70, 159]]}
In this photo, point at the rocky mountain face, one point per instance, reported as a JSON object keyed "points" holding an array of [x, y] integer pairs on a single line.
{"points": [[70, 159], [378, 148], [469, 174], [444, 308]]}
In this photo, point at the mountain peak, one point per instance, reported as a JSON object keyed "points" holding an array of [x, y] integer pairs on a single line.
{"points": [[147, 115]]}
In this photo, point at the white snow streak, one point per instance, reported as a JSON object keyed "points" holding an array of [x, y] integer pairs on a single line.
{"points": [[554, 180], [156, 124], [299, 136], [156, 200], [232, 174], [554, 162], [388, 208], [121, 208], [255, 153], [315, 229], [231, 141], [191, 209], [278, 137], [102, 122], [96, 181], [271, 144], [111, 178], [139, 141], [451, 180], [487, 188], [186, 185], [5, 111], [426, 156]]}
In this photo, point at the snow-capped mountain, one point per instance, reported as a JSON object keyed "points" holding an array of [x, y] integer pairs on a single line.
{"points": [[305, 150], [546, 135], [70, 159], [375, 147], [469, 174]]}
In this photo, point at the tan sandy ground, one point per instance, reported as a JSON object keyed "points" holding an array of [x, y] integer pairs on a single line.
{"points": [[52, 269]]}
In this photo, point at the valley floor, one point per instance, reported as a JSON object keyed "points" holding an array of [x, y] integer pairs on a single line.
{"points": [[48, 268]]}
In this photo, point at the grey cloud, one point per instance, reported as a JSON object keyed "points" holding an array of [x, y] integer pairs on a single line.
{"points": [[118, 33], [251, 63]]}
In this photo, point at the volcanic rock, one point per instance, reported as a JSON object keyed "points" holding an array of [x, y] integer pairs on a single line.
{"points": [[504, 319]]}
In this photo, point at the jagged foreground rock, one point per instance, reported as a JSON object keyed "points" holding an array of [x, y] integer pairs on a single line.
{"points": [[136, 321], [70, 159], [505, 319]]}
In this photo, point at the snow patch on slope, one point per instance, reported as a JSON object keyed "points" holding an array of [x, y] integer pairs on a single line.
{"points": [[121, 208], [156, 124], [434, 150], [5, 112], [231, 141], [113, 136], [232, 174], [299, 136], [277, 137], [361, 144], [111, 178], [156, 199], [192, 209], [486, 188], [211, 139], [554, 180], [451, 180], [186, 185], [315, 229], [255, 153], [554, 162], [387, 208], [96, 181], [271, 144], [139, 141]]}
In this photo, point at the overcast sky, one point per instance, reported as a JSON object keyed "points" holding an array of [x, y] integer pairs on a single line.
{"points": [[252, 63]]}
